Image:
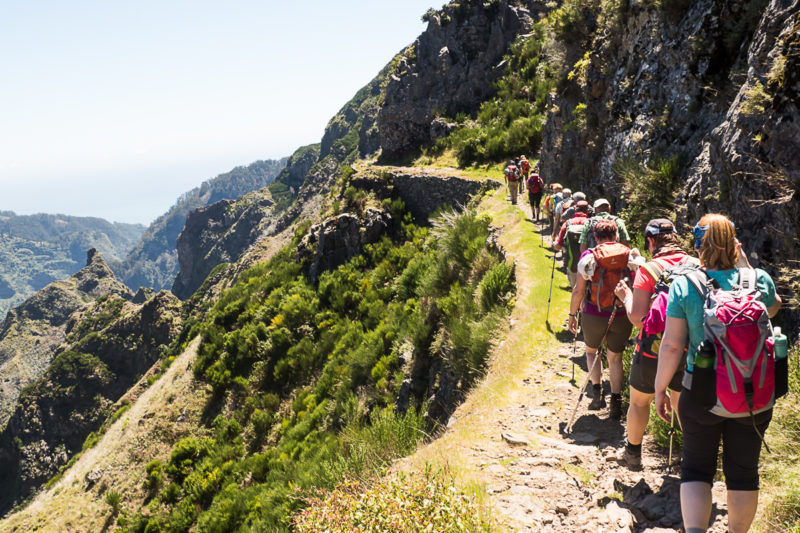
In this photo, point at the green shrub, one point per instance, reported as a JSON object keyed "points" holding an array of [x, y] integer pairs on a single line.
{"points": [[495, 285], [649, 188], [420, 501]]}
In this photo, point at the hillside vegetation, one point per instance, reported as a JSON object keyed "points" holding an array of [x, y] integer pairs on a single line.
{"points": [[36, 250]]}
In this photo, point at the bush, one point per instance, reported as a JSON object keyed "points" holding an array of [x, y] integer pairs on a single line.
{"points": [[425, 501]]}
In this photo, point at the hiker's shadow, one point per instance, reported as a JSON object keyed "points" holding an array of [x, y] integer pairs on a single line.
{"points": [[654, 506], [596, 427]]}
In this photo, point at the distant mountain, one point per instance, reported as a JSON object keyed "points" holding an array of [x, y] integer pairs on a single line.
{"points": [[153, 262], [36, 250]]}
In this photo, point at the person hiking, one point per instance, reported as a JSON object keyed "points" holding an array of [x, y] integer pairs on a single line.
{"points": [[726, 272], [601, 268], [524, 166], [602, 211], [566, 196], [569, 237], [566, 202], [568, 212], [512, 176], [646, 312], [550, 201], [535, 190]]}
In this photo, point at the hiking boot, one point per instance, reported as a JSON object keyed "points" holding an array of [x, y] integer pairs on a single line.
{"points": [[630, 459], [615, 411], [598, 400]]}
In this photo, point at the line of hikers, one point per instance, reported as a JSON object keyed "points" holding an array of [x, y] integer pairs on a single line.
{"points": [[706, 350]]}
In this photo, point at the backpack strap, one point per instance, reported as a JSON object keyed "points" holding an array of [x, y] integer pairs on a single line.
{"points": [[700, 281], [747, 278], [654, 270]]}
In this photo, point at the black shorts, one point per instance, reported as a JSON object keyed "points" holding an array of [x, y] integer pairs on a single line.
{"points": [[535, 198], [642, 375], [741, 445], [594, 327]]}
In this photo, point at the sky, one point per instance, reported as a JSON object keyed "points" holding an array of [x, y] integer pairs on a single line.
{"points": [[113, 109]]}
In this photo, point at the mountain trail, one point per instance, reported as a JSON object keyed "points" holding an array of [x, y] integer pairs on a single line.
{"points": [[509, 435]]}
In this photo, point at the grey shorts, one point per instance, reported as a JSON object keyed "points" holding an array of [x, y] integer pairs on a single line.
{"points": [[595, 326]]}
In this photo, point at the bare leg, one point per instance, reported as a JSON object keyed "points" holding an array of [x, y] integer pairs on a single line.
{"points": [[742, 505], [696, 505], [638, 415], [597, 373], [615, 372]]}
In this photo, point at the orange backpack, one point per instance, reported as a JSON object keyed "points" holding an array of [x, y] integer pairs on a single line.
{"points": [[612, 266]]}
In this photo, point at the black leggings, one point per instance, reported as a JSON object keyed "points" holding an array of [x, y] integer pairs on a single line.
{"points": [[741, 445]]}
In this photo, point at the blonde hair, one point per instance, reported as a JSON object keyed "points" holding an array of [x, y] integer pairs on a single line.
{"points": [[719, 250]]}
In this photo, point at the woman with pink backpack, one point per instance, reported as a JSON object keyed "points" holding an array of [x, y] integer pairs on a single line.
{"points": [[721, 315]]}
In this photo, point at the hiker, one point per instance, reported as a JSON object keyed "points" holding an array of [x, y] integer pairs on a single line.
{"points": [[566, 202], [535, 190], [512, 176], [602, 211], [566, 194], [524, 169], [705, 382], [645, 306], [524, 166], [550, 201], [601, 268], [568, 212], [569, 236]]}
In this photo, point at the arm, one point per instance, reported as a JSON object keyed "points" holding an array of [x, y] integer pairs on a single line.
{"points": [[575, 303], [560, 240], [636, 302], [775, 307], [676, 336]]}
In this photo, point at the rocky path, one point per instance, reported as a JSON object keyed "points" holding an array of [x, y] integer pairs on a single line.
{"points": [[542, 480]]}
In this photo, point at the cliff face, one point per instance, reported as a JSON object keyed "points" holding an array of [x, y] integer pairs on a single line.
{"points": [[32, 331], [708, 86], [449, 69], [216, 234]]}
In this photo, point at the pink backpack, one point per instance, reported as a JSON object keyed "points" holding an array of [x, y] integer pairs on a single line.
{"points": [[736, 321]]}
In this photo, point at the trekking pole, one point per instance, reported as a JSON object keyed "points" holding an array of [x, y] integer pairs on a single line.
{"points": [[597, 357], [671, 435], [575, 343], [549, 296]]}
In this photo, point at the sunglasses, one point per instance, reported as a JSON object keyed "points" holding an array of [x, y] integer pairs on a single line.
{"points": [[700, 231]]}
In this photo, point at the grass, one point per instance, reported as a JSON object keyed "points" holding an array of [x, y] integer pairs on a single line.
{"points": [[515, 358]]}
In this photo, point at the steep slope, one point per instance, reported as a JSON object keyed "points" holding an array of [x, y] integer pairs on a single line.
{"points": [[36, 250], [110, 344], [153, 262], [32, 331]]}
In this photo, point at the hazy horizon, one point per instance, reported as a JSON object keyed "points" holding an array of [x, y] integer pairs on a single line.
{"points": [[113, 111]]}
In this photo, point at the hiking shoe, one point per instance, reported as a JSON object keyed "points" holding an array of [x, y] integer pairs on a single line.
{"points": [[598, 401], [630, 459], [615, 411]]}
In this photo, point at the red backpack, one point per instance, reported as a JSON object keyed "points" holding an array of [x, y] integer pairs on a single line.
{"points": [[612, 265], [737, 325], [526, 166], [535, 183], [511, 172]]}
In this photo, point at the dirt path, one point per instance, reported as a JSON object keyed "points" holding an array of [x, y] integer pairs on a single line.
{"points": [[508, 436], [544, 480]]}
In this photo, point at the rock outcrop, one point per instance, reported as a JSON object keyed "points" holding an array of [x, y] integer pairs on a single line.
{"points": [[449, 69], [33, 330], [110, 344], [338, 239], [424, 191], [219, 233]]}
